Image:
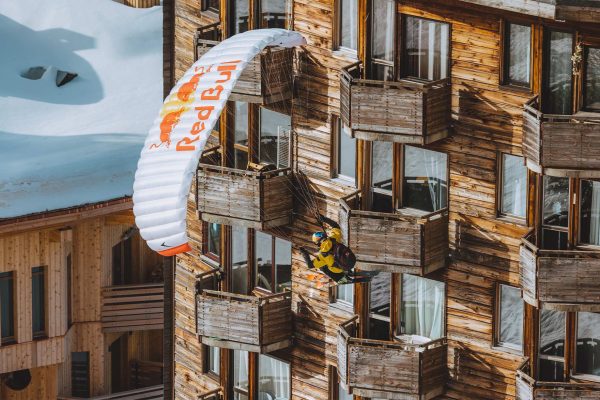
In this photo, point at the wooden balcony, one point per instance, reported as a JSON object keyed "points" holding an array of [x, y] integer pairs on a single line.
{"points": [[405, 241], [559, 279], [390, 369], [528, 388], [247, 322], [237, 197], [404, 111], [569, 10], [267, 79], [545, 139], [148, 393], [132, 307]]}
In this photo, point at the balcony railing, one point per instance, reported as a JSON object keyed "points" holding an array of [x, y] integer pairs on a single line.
{"points": [[405, 241], [237, 197], [267, 79], [149, 393], [390, 369], [132, 307], [569, 10], [561, 142], [405, 111], [559, 279], [215, 394], [528, 388], [247, 322]]}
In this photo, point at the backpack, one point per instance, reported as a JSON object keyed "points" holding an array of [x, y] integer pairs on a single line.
{"points": [[344, 257]]}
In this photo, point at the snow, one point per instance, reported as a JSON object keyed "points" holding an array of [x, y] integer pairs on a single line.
{"points": [[77, 144]]}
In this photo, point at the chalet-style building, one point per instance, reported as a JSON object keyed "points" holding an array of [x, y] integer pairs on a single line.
{"points": [[457, 143]]}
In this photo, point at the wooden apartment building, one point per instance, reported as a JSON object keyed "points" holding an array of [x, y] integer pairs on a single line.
{"points": [[81, 304], [458, 145]]}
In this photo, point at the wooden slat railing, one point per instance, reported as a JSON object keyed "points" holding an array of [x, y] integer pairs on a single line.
{"points": [[148, 393], [237, 197], [545, 135], [235, 321], [145, 373], [382, 368], [559, 279], [403, 241], [132, 307], [377, 110]]}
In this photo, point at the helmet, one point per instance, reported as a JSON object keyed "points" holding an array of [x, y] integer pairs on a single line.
{"points": [[317, 237]]}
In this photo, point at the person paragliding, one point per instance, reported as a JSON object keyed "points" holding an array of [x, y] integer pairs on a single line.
{"points": [[334, 259]]}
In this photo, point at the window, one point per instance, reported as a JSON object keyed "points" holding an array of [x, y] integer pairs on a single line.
{"points": [[240, 375], [210, 5], [7, 307], [557, 87], [240, 146], [591, 85], [273, 262], [422, 307], [239, 258], [555, 213], [552, 346], [275, 14], [517, 55], [382, 162], [213, 360], [343, 393], [589, 227], [513, 189], [426, 48], [348, 25], [344, 158], [240, 16], [38, 302], [509, 314], [425, 184], [379, 303], [274, 146], [383, 20], [344, 295], [122, 262], [80, 374], [212, 241], [273, 378], [587, 354]]}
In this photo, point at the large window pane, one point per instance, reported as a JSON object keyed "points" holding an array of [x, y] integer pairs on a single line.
{"points": [[275, 136], [348, 24], [38, 302], [381, 175], [275, 13], [558, 90], [514, 186], [588, 343], [379, 302], [425, 174], [214, 359], [426, 48], [283, 260], [556, 201], [241, 135], [239, 16], [382, 39], [552, 345], [590, 213], [273, 378], [264, 263], [345, 294], [7, 306], [346, 154], [213, 239], [518, 54], [240, 375], [592, 79], [239, 253], [422, 307], [510, 324]]}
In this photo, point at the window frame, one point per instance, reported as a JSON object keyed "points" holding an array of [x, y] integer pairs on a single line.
{"points": [[564, 360], [545, 59], [498, 343], [10, 276], [274, 264], [584, 64], [500, 192], [206, 363], [573, 368], [394, 65], [505, 55], [337, 30], [577, 222], [205, 252], [36, 271], [259, 136], [561, 229], [206, 7], [337, 130]]}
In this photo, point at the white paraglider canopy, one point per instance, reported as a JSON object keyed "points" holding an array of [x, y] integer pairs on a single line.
{"points": [[179, 133]]}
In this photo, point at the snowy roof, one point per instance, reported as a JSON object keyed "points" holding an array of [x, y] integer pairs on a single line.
{"points": [[79, 143]]}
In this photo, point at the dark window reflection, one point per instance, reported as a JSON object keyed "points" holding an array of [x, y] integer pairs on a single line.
{"points": [[592, 79], [425, 174], [588, 343], [426, 48], [558, 84], [381, 175], [552, 346], [275, 13], [239, 16], [275, 136]]}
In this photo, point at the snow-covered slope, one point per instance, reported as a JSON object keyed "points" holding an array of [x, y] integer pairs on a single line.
{"points": [[79, 143]]}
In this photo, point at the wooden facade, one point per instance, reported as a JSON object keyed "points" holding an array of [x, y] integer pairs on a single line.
{"points": [[132, 307], [483, 244], [544, 138], [570, 10], [405, 241], [404, 111]]}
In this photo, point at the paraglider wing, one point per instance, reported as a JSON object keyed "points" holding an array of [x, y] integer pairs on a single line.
{"points": [[177, 138]]}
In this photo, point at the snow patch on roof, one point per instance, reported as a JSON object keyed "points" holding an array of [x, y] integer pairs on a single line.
{"points": [[79, 143]]}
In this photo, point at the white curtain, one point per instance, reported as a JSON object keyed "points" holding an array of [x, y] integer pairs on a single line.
{"points": [[240, 372], [514, 185], [239, 252], [273, 379], [422, 310], [433, 165], [595, 215]]}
